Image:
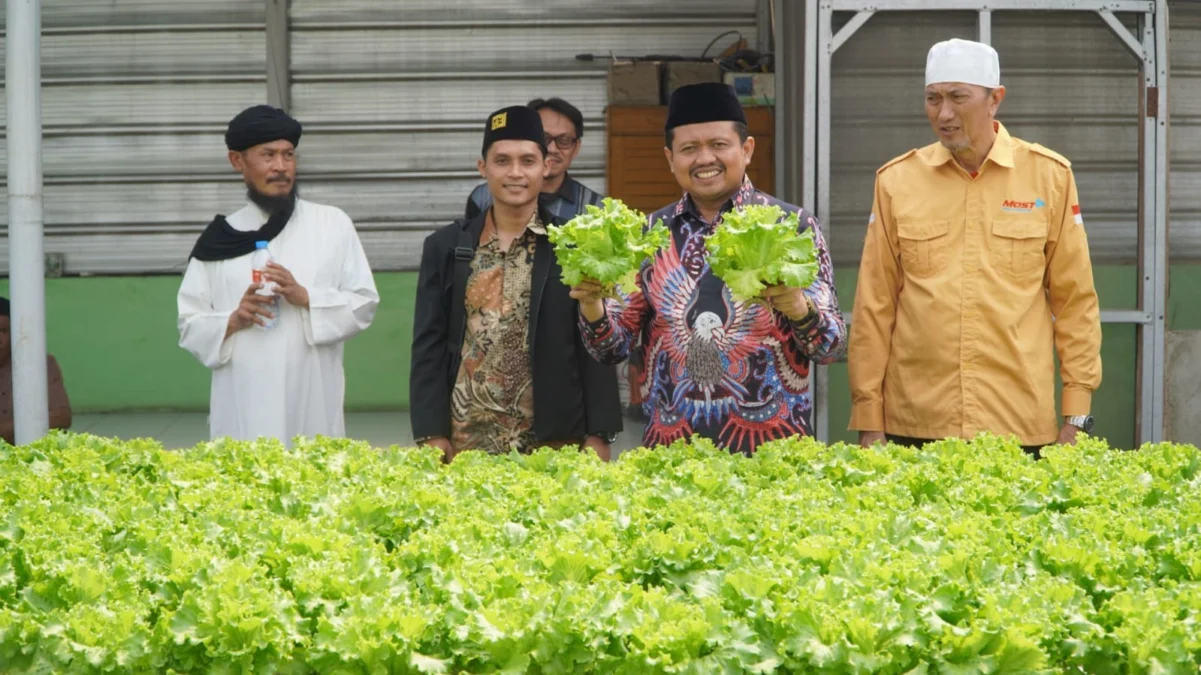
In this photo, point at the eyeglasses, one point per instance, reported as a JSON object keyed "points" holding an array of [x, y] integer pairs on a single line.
{"points": [[564, 141]]}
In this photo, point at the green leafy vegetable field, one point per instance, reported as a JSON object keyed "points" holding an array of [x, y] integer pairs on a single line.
{"points": [[334, 557]]}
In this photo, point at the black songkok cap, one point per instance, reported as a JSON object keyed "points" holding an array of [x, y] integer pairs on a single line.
{"points": [[519, 123], [703, 102], [4, 306], [261, 124]]}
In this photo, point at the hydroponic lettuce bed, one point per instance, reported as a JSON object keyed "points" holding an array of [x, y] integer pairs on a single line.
{"points": [[335, 557]]}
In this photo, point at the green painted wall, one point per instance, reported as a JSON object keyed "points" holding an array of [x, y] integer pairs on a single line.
{"points": [[116, 340], [118, 345]]}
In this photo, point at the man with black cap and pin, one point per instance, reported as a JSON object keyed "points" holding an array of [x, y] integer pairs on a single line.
{"points": [[277, 365], [498, 364], [59, 403], [564, 196], [730, 371]]}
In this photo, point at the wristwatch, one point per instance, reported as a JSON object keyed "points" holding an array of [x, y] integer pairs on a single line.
{"points": [[1081, 422]]}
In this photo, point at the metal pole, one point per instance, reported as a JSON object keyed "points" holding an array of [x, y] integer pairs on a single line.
{"points": [[279, 55], [984, 27], [809, 173], [789, 113], [23, 95], [825, 52], [1162, 262], [1152, 234]]}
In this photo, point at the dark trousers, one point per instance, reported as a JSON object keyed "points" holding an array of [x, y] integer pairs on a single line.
{"points": [[908, 441]]}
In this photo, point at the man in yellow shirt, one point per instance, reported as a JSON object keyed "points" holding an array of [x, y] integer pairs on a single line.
{"points": [[975, 268]]}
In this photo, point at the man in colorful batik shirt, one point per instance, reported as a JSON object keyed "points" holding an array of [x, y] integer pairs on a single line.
{"points": [[975, 271], [733, 372]]}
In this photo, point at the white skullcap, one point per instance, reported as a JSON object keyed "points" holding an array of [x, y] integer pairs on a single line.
{"points": [[964, 61]]}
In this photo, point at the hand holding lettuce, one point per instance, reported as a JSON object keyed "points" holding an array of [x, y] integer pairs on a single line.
{"points": [[756, 247], [606, 245]]}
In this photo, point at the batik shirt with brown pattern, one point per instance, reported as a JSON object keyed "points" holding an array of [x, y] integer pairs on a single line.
{"points": [[492, 405]]}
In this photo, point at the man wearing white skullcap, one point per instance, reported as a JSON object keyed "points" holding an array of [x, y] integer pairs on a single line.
{"points": [[975, 273]]}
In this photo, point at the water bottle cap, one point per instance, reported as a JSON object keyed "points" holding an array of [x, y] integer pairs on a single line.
{"points": [[260, 244]]}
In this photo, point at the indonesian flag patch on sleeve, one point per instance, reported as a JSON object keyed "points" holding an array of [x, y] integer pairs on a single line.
{"points": [[1076, 213]]}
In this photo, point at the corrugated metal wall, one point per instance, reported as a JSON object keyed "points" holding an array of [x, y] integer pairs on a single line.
{"points": [[135, 97], [1071, 85], [394, 94], [137, 93], [1184, 102]]}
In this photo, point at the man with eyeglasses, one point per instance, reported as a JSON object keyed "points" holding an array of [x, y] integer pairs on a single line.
{"points": [[563, 196]]}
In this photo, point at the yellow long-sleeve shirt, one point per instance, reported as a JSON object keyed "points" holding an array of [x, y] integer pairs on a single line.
{"points": [[966, 285]]}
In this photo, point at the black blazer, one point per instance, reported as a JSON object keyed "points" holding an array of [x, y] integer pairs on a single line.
{"points": [[574, 395]]}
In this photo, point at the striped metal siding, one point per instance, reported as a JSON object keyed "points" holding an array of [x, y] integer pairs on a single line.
{"points": [[1184, 104], [394, 95], [1071, 85], [136, 94]]}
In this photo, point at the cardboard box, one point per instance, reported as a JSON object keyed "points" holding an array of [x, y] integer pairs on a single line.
{"points": [[681, 73], [753, 88], [635, 83]]}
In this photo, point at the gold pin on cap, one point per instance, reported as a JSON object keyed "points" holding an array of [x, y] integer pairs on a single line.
{"points": [[500, 120]]}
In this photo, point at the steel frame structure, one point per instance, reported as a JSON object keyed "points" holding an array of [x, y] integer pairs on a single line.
{"points": [[1148, 44]]}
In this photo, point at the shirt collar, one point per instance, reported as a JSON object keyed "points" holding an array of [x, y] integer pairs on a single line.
{"points": [[1000, 154], [535, 226], [566, 189], [687, 205]]}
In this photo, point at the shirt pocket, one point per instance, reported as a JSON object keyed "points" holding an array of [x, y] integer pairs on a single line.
{"points": [[923, 246], [1016, 246]]}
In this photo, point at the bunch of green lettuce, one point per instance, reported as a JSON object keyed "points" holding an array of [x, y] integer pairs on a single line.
{"points": [[606, 244], [756, 246]]}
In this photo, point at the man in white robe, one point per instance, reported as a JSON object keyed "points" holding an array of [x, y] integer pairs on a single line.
{"points": [[287, 380]]}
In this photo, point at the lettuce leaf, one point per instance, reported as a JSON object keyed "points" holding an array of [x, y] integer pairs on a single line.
{"points": [[607, 244], [756, 246]]}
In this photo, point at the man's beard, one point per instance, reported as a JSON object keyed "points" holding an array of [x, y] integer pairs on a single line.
{"points": [[273, 204]]}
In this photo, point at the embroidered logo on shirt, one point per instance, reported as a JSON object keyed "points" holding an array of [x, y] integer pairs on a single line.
{"points": [[500, 120], [1076, 213], [1022, 207]]}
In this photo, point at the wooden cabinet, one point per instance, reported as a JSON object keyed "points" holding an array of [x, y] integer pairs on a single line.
{"points": [[637, 171]]}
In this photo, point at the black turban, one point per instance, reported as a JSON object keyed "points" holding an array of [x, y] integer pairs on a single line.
{"points": [[4, 306], [518, 122], [261, 124], [703, 102]]}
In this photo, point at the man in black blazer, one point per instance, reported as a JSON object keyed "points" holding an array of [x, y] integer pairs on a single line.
{"points": [[498, 362]]}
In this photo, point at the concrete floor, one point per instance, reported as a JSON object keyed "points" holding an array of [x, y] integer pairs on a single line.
{"points": [[186, 429]]}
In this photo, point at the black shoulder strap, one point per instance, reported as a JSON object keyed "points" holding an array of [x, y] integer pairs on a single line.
{"points": [[464, 253]]}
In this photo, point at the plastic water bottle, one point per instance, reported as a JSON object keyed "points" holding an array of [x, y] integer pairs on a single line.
{"points": [[258, 265]]}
